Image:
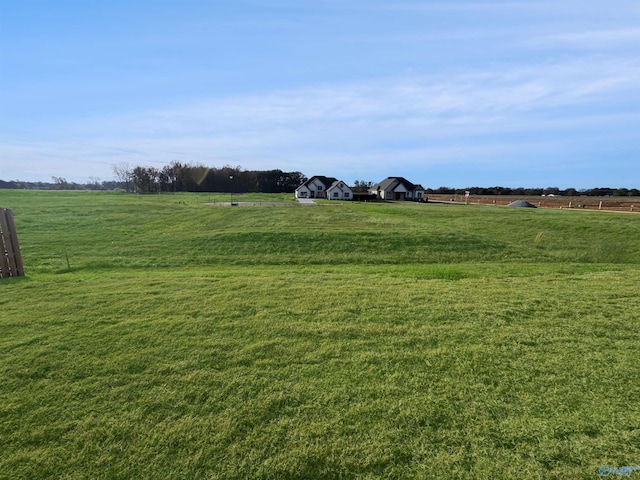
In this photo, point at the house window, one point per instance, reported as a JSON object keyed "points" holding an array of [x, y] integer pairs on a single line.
{"points": [[336, 194], [346, 194]]}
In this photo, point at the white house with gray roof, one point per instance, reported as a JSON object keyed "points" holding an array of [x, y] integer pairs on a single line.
{"points": [[315, 187], [339, 191], [397, 188]]}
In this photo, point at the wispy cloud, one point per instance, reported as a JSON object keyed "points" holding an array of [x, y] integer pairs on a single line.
{"points": [[593, 38], [446, 100], [406, 118]]}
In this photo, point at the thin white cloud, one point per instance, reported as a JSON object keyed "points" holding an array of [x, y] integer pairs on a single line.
{"points": [[441, 99], [593, 38], [399, 120]]}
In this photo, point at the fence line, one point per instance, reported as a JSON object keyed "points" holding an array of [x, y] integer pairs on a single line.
{"points": [[10, 258]]}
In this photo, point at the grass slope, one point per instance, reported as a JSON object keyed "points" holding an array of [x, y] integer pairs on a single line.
{"points": [[338, 341]]}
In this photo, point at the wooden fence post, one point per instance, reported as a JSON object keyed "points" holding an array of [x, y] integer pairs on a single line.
{"points": [[10, 258]]}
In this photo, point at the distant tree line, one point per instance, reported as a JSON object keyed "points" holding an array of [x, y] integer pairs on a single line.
{"points": [[361, 186], [569, 192], [180, 177], [60, 183]]}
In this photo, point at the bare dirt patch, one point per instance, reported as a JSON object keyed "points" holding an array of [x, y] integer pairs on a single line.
{"points": [[614, 204]]}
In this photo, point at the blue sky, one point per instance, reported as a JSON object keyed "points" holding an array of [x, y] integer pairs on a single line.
{"points": [[463, 93]]}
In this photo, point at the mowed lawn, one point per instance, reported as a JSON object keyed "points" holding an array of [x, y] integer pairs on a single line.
{"points": [[159, 337]]}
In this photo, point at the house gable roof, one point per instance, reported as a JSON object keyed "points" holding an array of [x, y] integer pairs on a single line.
{"points": [[326, 181], [391, 183], [339, 184]]}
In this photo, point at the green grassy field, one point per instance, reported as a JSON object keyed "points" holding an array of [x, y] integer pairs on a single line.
{"points": [[156, 337]]}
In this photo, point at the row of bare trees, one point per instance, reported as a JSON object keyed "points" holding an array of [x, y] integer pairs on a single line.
{"points": [[180, 177]]}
